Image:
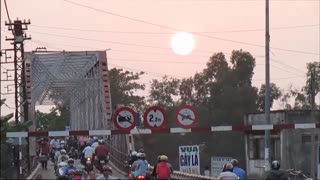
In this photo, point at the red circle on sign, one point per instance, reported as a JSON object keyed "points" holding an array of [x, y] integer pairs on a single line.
{"points": [[155, 108], [177, 113], [117, 114]]}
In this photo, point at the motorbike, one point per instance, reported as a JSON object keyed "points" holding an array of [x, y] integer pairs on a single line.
{"points": [[101, 162], [137, 177], [56, 166], [89, 164], [60, 168]]}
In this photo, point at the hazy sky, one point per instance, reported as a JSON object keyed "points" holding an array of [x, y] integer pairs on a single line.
{"points": [[294, 26]]}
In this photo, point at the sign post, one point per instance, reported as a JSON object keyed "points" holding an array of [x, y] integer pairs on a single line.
{"points": [[125, 118], [155, 117], [186, 116], [189, 159]]}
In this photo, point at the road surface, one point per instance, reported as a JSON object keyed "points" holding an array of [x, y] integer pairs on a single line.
{"points": [[50, 174]]}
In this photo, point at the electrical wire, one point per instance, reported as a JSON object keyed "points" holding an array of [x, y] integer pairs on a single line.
{"points": [[175, 29], [292, 72], [170, 33]]}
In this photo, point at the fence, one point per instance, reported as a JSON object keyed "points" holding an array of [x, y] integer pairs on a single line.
{"points": [[13, 156]]}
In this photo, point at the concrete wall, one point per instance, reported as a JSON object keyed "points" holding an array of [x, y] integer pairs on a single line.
{"points": [[295, 154]]}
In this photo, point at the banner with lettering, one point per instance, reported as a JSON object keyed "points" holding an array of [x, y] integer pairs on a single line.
{"points": [[189, 159]]}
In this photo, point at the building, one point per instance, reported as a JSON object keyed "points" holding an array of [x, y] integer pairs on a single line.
{"points": [[292, 147]]}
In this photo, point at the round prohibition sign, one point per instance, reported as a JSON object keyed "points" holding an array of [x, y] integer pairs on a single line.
{"points": [[125, 118], [155, 117], [186, 116]]}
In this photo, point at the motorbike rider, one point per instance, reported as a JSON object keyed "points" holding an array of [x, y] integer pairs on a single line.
{"points": [[276, 173], [54, 146], [95, 143], [88, 153], [63, 156], [101, 151], [69, 168], [133, 157], [163, 168], [237, 170], [227, 173], [140, 166]]}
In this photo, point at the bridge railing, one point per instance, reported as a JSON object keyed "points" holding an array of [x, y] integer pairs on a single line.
{"points": [[118, 149], [183, 175]]}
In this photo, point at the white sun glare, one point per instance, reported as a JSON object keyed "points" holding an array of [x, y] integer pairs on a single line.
{"points": [[182, 43]]}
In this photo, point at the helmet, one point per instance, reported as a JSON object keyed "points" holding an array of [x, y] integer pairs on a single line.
{"points": [[70, 160], [234, 162], [163, 158], [100, 141], [134, 153], [62, 142], [63, 151], [275, 165], [138, 154], [107, 168], [228, 167]]}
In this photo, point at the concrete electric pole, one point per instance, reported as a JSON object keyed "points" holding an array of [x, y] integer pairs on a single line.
{"points": [[267, 91]]}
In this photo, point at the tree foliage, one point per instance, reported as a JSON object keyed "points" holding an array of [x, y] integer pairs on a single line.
{"points": [[123, 85], [7, 127], [56, 120], [275, 93], [295, 98], [163, 92]]}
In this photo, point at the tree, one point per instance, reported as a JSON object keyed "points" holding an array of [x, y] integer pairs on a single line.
{"points": [[163, 92], [275, 93], [302, 97], [222, 94], [56, 120], [123, 85], [7, 127]]}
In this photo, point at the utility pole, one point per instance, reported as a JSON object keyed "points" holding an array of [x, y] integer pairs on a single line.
{"points": [[21, 104], [267, 91], [313, 118]]}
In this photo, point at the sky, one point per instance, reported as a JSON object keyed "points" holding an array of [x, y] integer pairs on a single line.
{"points": [[139, 32]]}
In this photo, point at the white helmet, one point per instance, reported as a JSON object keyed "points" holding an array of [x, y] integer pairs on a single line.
{"points": [[134, 153], [62, 142], [63, 151], [139, 154]]}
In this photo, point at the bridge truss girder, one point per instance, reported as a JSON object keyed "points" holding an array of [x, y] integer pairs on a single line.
{"points": [[77, 80]]}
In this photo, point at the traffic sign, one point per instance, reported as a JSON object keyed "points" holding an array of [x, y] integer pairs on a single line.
{"points": [[155, 117], [186, 116], [125, 118]]}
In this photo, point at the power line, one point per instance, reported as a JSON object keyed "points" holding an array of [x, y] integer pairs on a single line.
{"points": [[173, 76], [174, 29], [116, 50], [147, 72], [169, 33], [46, 44], [98, 40]]}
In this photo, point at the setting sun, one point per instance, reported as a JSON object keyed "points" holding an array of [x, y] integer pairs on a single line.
{"points": [[182, 43]]}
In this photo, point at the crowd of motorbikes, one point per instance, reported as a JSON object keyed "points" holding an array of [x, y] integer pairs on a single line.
{"points": [[64, 152], [61, 155]]}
